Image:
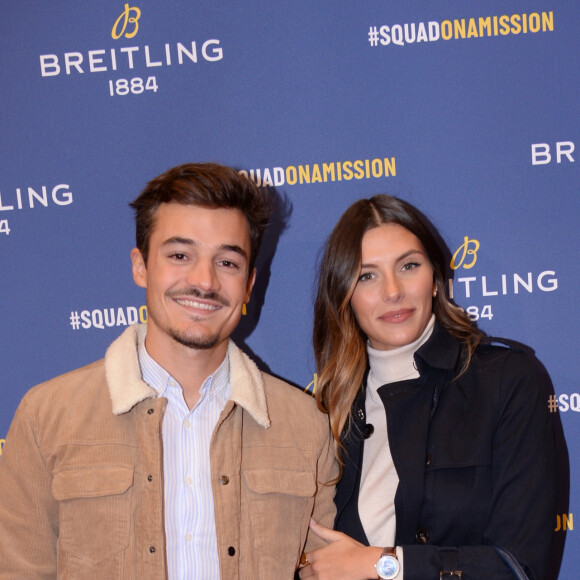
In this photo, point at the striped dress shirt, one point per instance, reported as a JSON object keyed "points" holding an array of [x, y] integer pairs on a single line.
{"points": [[189, 511]]}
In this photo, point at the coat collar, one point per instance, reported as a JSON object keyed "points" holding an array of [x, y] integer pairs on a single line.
{"points": [[127, 388], [441, 351], [247, 386]]}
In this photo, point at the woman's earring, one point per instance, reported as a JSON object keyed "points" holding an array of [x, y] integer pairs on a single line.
{"points": [[435, 292]]}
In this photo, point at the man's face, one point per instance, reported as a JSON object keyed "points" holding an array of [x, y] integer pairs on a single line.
{"points": [[196, 276]]}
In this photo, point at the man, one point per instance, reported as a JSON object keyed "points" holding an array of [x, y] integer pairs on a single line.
{"points": [[174, 456]]}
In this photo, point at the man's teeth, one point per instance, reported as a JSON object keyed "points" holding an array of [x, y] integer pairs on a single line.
{"points": [[196, 304]]}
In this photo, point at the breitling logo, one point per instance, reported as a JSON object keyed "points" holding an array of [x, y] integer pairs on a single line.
{"points": [[469, 248], [128, 18]]}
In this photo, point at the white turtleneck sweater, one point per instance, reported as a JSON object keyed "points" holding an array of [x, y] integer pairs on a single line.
{"points": [[379, 479]]}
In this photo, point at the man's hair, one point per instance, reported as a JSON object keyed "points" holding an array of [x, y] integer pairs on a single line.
{"points": [[206, 185]]}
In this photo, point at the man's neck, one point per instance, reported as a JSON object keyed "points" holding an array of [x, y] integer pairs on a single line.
{"points": [[190, 367]]}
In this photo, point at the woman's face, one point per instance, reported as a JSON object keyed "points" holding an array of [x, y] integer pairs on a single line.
{"points": [[392, 300]]}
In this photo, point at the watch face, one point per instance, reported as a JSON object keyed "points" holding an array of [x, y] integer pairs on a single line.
{"points": [[387, 567]]}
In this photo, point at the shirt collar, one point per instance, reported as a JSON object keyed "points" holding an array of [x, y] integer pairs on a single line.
{"points": [[216, 384]]}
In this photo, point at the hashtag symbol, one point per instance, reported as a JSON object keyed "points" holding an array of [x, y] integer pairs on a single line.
{"points": [[373, 36], [552, 404], [75, 320]]}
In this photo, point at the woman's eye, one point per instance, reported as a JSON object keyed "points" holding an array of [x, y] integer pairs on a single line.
{"points": [[411, 265], [364, 277]]}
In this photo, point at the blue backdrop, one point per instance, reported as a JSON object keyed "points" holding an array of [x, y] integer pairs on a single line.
{"points": [[468, 110]]}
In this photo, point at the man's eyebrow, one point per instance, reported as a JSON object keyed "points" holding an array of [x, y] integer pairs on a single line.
{"points": [[179, 240], [234, 248]]}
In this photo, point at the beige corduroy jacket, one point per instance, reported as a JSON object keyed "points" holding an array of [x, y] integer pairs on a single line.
{"points": [[81, 475]]}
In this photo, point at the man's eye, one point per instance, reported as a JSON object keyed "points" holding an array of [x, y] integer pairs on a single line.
{"points": [[228, 264]]}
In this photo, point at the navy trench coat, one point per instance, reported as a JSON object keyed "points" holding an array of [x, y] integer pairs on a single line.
{"points": [[476, 461]]}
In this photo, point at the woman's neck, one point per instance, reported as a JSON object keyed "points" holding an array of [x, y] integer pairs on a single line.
{"points": [[389, 366]]}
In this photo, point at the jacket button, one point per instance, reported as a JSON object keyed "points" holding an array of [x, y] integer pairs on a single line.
{"points": [[149, 478], [422, 536], [231, 551], [150, 411], [152, 549], [369, 430], [224, 479], [428, 459]]}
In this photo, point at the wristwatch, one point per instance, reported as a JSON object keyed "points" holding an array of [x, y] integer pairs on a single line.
{"points": [[388, 566]]}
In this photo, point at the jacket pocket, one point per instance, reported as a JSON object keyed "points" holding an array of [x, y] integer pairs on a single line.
{"points": [[94, 510], [281, 481], [276, 508]]}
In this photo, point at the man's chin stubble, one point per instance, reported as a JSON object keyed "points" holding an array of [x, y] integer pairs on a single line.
{"points": [[197, 343]]}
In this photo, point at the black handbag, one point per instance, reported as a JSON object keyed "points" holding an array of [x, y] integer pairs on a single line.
{"points": [[511, 563]]}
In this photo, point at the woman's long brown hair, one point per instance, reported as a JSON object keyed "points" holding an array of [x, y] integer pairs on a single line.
{"points": [[339, 342]]}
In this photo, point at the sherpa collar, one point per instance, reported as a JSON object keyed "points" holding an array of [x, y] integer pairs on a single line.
{"points": [[127, 388]]}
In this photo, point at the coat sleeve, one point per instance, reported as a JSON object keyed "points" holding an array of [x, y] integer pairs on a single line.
{"points": [[28, 511], [324, 508], [524, 485]]}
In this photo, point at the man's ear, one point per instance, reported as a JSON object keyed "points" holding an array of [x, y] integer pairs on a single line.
{"points": [[250, 285], [139, 268]]}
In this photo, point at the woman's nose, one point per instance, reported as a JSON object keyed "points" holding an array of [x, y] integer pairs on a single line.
{"points": [[392, 289]]}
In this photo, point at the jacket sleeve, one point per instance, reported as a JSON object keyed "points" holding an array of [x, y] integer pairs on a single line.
{"points": [[28, 512], [324, 508], [523, 480]]}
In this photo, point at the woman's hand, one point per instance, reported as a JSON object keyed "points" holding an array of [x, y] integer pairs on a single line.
{"points": [[343, 558]]}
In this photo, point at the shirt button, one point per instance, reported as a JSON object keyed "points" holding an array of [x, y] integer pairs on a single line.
{"points": [[187, 424], [224, 479], [188, 537], [189, 480], [231, 551]]}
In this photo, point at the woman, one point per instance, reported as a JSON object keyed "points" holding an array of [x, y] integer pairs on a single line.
{"points": [[444, 436]]}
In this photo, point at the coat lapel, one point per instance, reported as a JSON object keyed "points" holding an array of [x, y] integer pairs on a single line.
{"points": [[408, 408], [353, 441]]}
